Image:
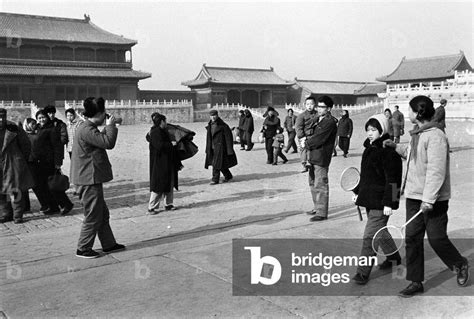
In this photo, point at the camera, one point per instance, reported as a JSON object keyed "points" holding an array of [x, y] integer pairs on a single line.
{"points": [[118, 120]]}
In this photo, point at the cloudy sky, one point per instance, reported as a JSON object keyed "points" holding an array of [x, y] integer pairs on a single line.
{"points": [[347, 40]]}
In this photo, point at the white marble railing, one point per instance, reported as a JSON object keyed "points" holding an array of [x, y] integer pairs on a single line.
{"points": [[299, 108], [132, 103]]}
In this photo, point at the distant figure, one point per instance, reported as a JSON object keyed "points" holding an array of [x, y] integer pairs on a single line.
{"points": [[398, 123], [73, 122], [440, 115], [344, 133], [241, 129], [270, 125], [388, 115], [289, 125], [248, 128], [219, 148], [278, 144]]}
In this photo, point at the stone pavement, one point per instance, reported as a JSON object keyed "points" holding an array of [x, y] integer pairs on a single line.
{"points": [[179, 264]]}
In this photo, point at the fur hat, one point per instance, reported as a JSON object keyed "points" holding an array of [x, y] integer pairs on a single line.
{"points": [[213, 112], [382, 121]]}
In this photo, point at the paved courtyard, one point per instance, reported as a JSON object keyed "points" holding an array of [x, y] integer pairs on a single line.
{"points": [[179, 264]]}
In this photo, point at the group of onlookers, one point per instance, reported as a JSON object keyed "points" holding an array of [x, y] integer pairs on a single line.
{"points": [[39, 147]]}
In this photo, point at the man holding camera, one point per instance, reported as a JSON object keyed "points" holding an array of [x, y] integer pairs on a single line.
{"points": [[90, 168]]}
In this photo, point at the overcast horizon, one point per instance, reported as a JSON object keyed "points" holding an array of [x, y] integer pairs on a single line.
{"points": [[343, 41]]}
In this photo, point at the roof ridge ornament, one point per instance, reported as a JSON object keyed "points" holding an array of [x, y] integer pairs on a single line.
{"points": [[87, 17]]}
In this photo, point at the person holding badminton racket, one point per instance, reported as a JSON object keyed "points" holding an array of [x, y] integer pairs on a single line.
{"points": [[378, 190], [427, 188]]}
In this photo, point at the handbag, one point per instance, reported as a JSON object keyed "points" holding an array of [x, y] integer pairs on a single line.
{"points": [[58, 182]]}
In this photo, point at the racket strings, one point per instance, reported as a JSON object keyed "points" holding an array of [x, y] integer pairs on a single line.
{"points": [[350, 180], [387, 241]]}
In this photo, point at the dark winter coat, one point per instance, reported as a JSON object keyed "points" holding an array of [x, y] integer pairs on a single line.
{"points": [[220, 147], [61, 130], [398, 122], [321, 143], [271, 123], [163, 161], [241, 121], [380, 176], [344, 127], [16, 149], [440, 117], [248, 123], [47, 147]]}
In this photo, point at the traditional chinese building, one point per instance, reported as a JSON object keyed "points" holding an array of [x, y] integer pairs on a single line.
{"points": [[51, 59], [250, 87], [342, 92], [426, 70]]}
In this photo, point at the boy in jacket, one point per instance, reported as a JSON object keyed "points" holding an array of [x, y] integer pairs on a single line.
{"points": [[378, 190]]}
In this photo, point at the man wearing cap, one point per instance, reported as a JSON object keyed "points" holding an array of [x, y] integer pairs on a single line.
{"points": [[15, 176], [321, 146], [398, 124], [440, 115], [219, 148]]}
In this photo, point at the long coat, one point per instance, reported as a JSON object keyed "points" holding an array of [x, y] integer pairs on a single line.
{"points": [[220, 147], [89, 162], [321, 143], [14, 154], [163, 168], [380, 176], [46, 147], [398, 121], [344, 127]]}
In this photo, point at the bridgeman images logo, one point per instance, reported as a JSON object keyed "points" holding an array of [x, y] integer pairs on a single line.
{"points": [[264, 270]]}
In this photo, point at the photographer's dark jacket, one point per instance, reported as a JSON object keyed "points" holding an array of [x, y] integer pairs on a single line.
{"points": [[321, 142], [380, 176], [89, 162]]}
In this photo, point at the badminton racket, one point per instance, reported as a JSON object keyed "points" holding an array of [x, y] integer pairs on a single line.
{"points": [[350, 178], [389, 239]]}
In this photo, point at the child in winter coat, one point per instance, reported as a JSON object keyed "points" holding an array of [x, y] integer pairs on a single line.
{"points": [[278, 144], [378, 190]]}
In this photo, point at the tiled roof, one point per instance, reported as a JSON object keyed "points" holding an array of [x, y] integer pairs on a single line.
{"points": [[227, 75], [371, 89], [426, 68], [330, 87], [56, 29], [72, 72]]}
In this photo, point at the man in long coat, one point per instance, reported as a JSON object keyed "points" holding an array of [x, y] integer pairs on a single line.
{"points": [[15, 176], [398, 121], [219, 148]]}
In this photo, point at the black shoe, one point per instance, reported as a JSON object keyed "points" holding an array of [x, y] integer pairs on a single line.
{"points": [[317, 218], [52, 212], [116, 247], [5, 219], [43, 209], [305, 169], [213, 183], [360, 279], [269, 162], [249, 148], [274, 164], [387, 264], [87, 254], [286, 151], [226, 180], [345, 155], [170, 207], [463, 275], [285, 161], [67, 209], [334, 155], [412, 289], [311, 212], [153, 212], [18, 221]]}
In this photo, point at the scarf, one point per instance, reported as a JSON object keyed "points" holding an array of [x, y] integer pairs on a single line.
{"points": [[415, 135]]}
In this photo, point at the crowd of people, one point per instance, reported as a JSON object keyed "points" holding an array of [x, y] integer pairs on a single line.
{"points": [[33, 152]]}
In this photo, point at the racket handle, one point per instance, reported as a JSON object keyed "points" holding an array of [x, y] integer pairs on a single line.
{"points": [[411, 219], [360, 214]]}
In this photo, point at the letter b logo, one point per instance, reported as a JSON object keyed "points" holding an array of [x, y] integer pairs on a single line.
{"points": [[265, 270]]}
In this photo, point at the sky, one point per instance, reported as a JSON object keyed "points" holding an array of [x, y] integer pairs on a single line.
{"points": [[311, 40]]}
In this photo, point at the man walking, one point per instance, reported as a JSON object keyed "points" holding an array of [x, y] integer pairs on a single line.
{"points": [[289, 126], [398, 123], [90, 168], [219, 148], [321, 145], [440, 115]]}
